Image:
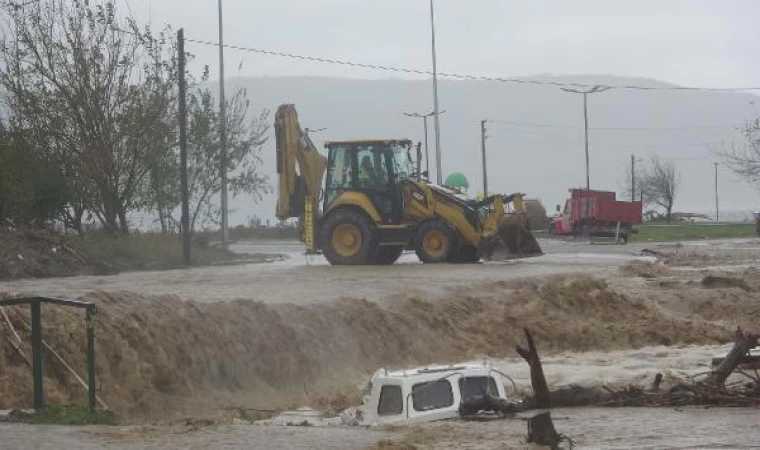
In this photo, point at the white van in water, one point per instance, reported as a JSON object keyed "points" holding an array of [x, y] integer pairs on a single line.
{"points": [[427, 394]]}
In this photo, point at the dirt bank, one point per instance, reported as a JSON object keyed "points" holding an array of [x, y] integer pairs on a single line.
{"points": [[162, 357], [43, 254]]}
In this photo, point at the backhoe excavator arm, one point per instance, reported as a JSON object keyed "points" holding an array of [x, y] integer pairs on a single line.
{"points": [[300, 169]]}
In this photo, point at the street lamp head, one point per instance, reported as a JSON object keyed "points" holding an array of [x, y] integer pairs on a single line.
{"points": [[593, 90], [313, 130]]}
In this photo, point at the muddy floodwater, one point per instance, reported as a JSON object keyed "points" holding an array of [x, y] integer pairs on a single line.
{"points": [[299, 319], [301, 279], [602, 428]]}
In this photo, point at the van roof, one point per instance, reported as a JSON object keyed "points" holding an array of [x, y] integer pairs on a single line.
{"points": [[469, 369]]}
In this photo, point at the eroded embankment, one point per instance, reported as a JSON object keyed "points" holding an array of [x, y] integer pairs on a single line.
{"points": [[162, 357]]}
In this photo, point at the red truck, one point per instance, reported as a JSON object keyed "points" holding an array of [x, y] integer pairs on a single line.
{"points": [[596, 213]]}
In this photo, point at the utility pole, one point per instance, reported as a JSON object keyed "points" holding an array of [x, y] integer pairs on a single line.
{"points": [[183, 147], [633, 178], [223, 134], [585, 93], [425, 128], [483, 151], [436, 113], [427, 154], [717, 211]]}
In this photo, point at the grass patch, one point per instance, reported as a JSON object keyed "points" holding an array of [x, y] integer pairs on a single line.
{"points": [[691, 231], [148, 251], [73, 415]]}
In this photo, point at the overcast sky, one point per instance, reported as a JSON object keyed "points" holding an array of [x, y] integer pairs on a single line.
{"points": [[687, 42]]}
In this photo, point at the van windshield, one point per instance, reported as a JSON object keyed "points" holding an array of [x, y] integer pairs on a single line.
{"points": [[477, 387]]}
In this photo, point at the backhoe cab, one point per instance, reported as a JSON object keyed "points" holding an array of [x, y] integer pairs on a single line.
{"points": [[375, 204]]}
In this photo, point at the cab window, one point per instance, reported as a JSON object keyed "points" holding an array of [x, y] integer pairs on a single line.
{"points": [[339, 172], [373, 168]]}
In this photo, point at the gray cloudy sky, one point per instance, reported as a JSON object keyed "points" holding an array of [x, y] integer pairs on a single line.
{"points": [[688, 42]]}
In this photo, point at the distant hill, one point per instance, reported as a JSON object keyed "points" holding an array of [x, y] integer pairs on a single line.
{"points": [[535, 141]]}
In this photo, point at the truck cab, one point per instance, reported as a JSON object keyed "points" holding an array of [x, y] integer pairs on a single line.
{"points": [[561, 222]]}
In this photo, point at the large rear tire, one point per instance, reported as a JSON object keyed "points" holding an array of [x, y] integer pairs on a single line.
{"points": [[348, 238], [435, 242], [388, 254]]}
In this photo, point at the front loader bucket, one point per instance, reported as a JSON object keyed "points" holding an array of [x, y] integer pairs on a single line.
{"points": [[514, 240]]}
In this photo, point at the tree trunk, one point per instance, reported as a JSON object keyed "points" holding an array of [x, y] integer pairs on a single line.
{"points": [[540, 427], [541, 430], [123, 224], [744, 342], [537, 378]]}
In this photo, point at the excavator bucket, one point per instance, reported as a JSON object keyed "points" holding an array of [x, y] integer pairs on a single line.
{"points": [[513, 240]]}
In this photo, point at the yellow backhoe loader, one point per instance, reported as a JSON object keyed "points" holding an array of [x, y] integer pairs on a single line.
{"points": [[375, 204]]}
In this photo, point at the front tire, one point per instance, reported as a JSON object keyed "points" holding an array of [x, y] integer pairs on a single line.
{"points": [[348, 238], [435, 242]]}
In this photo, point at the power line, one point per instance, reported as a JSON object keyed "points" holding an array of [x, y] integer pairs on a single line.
{"points": [[343, 62], [548, 125], [533, 134]]}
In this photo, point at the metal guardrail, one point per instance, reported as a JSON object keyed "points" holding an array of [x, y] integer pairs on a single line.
{"points": [[35, 304]]}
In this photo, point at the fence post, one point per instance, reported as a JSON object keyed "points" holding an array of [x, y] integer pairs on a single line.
{"points": [[91, 384], [39, 397]]}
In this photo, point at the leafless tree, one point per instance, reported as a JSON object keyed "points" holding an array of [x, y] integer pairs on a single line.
{"points": [[659, 183], [94, 90], [245, 137], [744, 158]]}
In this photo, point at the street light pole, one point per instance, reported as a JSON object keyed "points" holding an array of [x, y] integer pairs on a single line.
{"points": [[223, 134], [483, 152], [424, 124], [585, 137], [436, 113], [593, 90]]}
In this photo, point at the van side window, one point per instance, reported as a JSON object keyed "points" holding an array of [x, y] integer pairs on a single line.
{"points": [[390, 403], [432, 395]]}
